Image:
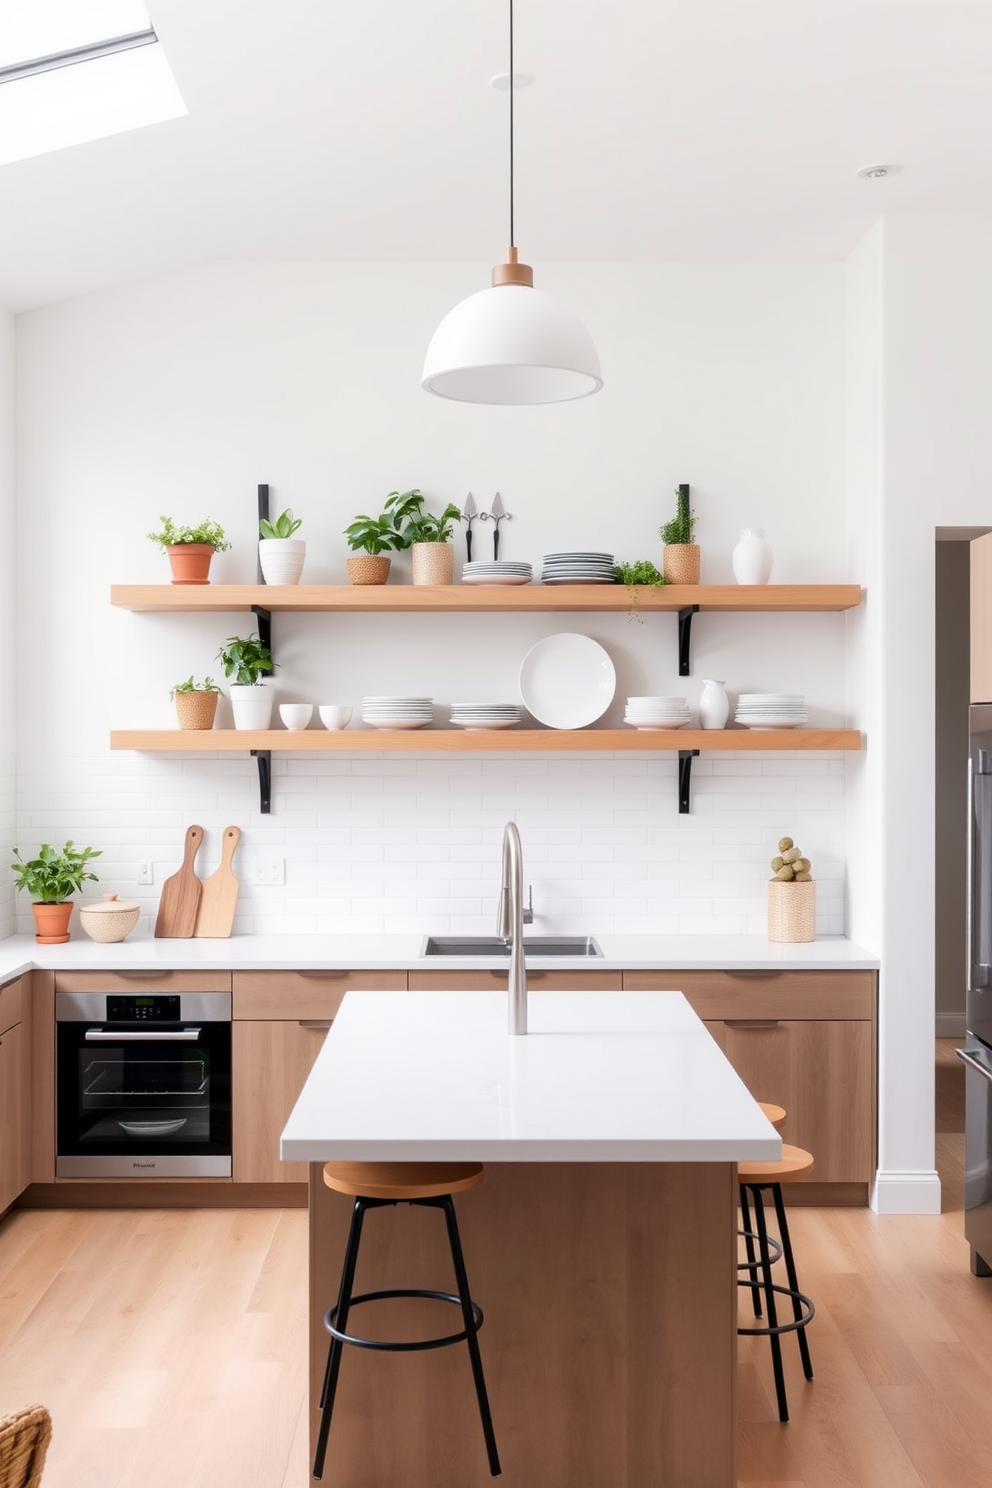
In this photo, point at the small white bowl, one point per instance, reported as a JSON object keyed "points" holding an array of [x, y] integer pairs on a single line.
{"points": [[296, 716], [335, 715]]}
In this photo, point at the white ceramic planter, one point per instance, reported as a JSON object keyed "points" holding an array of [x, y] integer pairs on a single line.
{"points": [[281, 559], [251, 706]]}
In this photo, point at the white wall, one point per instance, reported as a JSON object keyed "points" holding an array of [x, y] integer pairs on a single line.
{"points": [[8, 517], [180, 394]]}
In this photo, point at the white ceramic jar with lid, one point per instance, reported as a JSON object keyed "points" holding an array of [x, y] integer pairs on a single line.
{"points": [[111, 921]]}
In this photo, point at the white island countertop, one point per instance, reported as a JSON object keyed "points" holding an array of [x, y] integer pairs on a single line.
{"points": [[599, 1077]]}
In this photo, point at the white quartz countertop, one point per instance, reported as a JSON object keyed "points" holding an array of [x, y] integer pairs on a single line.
{"points": [[402, 952], [599, 1077]]}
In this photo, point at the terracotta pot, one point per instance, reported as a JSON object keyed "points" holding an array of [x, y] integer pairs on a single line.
{"points": [[432, 562], [52, 922], [680, 563], [196, 710], [190, 562], [369, 568]]}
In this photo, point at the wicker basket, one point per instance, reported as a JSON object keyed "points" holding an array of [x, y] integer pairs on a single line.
{"points": [[791, 911], [680, 563], [24, 1438], [196, 710], [368, 568], [432, 563]]}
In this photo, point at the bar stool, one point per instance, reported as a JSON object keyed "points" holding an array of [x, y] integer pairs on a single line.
{"points": [[375, 1186], [754, 1179]]}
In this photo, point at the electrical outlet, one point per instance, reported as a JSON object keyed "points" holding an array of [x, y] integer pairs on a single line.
{"points": [[146, 873], [271, 871]]}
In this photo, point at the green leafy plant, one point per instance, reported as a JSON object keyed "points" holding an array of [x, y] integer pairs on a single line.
{"points": [[789, 865], [642, 573], [284, 525], [245, 659], [417, 526], [683, 524], [207, 685], [206, 531], [56, 873], [383, 534]]}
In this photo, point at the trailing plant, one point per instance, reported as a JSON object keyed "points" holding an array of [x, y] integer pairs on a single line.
{"points": [[642, 573], [418, 526], [681, 527], [245, 659], [208, 532], [56, 873], [207, 685], [789, 865], [284, 525]]}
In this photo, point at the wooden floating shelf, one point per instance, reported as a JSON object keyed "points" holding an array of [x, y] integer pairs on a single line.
{"points": [[358, 741], [465, 598]]}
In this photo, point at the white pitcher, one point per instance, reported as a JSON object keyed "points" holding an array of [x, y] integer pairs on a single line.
{"points": [[714, 705]]}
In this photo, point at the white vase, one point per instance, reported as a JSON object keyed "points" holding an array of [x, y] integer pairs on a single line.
{"points": [[251, 706], [281, 559], [752, 557], [714, 705]]}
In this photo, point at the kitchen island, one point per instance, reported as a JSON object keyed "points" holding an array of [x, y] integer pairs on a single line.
{"points": [[601, 1244]]}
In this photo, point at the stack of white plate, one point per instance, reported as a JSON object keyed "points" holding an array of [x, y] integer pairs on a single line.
{"points": [[771, 710], [497, 571], [578, 568], [656, 712], [486, 715], [397, 712]]}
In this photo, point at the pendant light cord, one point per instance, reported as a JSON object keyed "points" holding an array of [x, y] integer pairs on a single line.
{"points": [[512, 244]]}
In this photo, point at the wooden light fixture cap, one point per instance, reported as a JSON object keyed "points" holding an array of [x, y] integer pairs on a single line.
{"points": [[513, 272]]}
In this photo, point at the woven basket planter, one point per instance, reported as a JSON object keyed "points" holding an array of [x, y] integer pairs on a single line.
{"points": [[791, 911], [368, 568], [432, 563], [196, 710], [680, 563], [24, 1438]]}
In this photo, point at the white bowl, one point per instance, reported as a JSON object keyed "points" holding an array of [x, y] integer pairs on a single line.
{"points": [[335, 715], [296, 716]]}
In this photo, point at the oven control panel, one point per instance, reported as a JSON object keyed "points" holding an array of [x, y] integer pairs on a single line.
{"points": [[155, 1008]]}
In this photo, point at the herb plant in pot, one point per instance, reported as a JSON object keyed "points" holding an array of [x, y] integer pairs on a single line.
{"points": [[373, 538], [248, 661], [196, 703], [681, 555], [190, 549], [50, 879], [428, 536], [280, 554]]}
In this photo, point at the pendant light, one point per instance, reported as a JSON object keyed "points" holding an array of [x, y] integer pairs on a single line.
{"points": [[512, 343]]}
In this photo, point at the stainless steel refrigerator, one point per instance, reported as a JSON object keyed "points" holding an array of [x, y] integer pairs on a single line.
{"points": [[977, 1051]]}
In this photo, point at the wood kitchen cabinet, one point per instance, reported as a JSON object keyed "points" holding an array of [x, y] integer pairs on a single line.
{"points": [[539, 981], [15, 1169], [804, 1040], [280, 1020]]}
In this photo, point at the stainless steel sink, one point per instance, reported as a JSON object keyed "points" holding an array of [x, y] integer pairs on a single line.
{"points": [[491, 945]]}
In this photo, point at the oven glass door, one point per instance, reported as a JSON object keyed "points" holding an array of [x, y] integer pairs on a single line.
{"points": [[129, 1089]]}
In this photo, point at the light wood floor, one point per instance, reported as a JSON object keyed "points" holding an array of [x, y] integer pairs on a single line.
{"points": [[169, 1345]]}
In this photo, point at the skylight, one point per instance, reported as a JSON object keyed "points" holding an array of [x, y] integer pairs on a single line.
{"points": [[79, 70]]}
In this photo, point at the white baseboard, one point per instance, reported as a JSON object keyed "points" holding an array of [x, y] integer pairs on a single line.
{"points": [[950, 1025], [905, 1193]]}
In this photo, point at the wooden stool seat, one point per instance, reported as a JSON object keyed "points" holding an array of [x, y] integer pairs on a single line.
{"points": [[775, 1114], [399, 1181], [794, 1162]]}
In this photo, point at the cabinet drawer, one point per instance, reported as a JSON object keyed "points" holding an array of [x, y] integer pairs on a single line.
{"points": [[541, 981], [275, 995], [765, 994], [143, 981], [11, 1004]]}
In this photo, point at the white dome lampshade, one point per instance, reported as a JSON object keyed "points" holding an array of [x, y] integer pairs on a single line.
{"points": [[511, 344]]}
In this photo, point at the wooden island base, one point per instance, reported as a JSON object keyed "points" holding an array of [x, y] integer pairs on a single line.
{"points": [[609, 1342]]}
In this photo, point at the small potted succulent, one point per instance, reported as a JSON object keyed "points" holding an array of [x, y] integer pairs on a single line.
{"points": [[248, 661], [190, 549], [50, 879], [280, 554], [196, 703], [428, 536], [372, 538], [681, 554], [791, 896]]}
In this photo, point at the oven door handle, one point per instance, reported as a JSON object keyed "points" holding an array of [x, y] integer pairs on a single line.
{"points": [[975, 1064], [142, 1036]]}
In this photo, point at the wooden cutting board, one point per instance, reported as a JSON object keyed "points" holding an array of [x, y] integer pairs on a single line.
{"points": [[219, 898], [181, 894]]}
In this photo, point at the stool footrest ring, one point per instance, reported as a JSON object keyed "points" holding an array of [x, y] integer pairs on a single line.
{"points": [[416, 1344], [774, 1251], [809, 1311]]}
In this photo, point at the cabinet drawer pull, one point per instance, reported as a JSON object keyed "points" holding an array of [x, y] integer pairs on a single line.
{"points": [[755, 971], [751, 1022], [322, 1024], [326, 974]]}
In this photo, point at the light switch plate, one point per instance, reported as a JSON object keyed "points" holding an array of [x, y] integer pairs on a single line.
{"points": [[146, 872], [270, 871]]}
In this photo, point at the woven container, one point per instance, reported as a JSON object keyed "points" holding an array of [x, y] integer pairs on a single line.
{"points": [[432, 563], [24, 1439], [196, 710], [111, 921], [680, 563], [791, 911], [368, 568]]}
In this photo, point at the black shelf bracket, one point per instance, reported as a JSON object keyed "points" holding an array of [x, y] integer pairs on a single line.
{"points": [[685, 632], [264, 617], [264, 757], [686, 757]]}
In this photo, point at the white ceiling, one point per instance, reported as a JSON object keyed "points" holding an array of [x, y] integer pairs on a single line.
{"points": [[655, 129]]}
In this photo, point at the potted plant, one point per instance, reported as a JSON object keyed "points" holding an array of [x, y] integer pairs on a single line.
{"points": [[373, 538], [280, 555], [196, 703], [190, 549], [427, 535], [50, 878], [644, 573], [247, 661], [681, 555]]}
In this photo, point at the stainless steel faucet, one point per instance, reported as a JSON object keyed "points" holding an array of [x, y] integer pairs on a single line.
{"points": [[511, 916]]}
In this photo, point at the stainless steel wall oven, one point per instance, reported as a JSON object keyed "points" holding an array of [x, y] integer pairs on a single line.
{"points": [[143, 1084]]}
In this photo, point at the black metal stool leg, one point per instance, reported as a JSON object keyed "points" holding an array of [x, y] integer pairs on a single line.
{"points": [[336, 1347], [752, 1264], [790, 1268], [766, 1271], [471, 1337]]}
